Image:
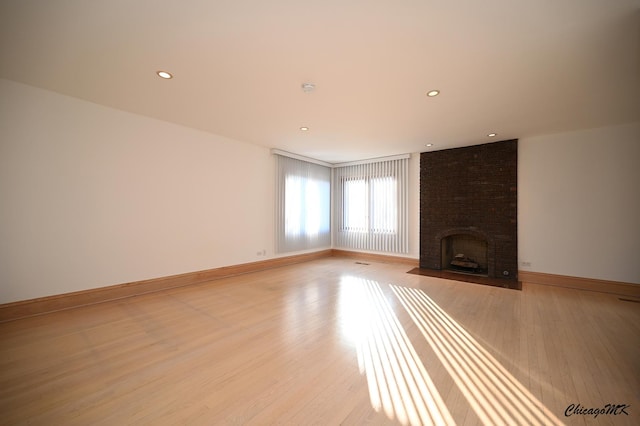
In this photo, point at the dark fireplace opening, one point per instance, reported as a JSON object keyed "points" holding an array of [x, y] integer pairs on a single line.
{"points": [[465, 253]]}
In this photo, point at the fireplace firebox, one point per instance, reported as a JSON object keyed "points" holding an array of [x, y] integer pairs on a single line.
{"points": [[466, 253]]}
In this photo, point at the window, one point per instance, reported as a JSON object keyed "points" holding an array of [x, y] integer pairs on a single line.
{"points": [[355, 212], [303, 205], [371, 206]]}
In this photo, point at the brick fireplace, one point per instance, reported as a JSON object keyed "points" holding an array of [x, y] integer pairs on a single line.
{"points": [[469, 210]]}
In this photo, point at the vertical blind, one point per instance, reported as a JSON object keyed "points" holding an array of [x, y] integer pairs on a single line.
{"points": [[303, 205], [371, 206]]}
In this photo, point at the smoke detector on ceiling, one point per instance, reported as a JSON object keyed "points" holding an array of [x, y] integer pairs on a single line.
{"points": [[308, 87]]}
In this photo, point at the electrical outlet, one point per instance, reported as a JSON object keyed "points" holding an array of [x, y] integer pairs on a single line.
{"points": [[526, 264]]}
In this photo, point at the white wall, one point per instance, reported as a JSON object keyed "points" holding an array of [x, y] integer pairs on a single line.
{"points": [[92, 196], [414, 207], [579, 203]]}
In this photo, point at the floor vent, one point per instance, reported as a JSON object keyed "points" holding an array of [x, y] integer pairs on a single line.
{"points": [[361, 263]]}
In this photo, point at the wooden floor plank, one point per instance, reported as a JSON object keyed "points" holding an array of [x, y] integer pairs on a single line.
{"points": [[284, 346]]}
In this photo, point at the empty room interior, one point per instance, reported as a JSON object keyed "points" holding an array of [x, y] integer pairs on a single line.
{"points": [[336, 212]]}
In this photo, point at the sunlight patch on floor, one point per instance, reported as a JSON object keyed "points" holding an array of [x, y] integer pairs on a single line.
{"points": [[493, 393], [398, 382]]}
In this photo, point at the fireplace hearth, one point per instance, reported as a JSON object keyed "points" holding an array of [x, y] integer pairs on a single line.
{"points": [[468, 210]]}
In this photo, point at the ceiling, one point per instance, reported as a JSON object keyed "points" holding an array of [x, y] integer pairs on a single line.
{"points": [[516, 68]]}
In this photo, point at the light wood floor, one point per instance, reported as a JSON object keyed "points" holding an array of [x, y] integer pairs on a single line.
{"points": [[326, 342]]}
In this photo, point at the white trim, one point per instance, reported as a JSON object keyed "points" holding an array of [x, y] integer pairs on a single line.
{"points": [[300, 157], [372, 160], [334, 165]]}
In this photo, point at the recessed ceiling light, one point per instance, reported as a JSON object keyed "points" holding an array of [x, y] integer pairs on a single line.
{"points": [[164, 74], [304, 128], [429, 145], [432, 93], [491, 135]]}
